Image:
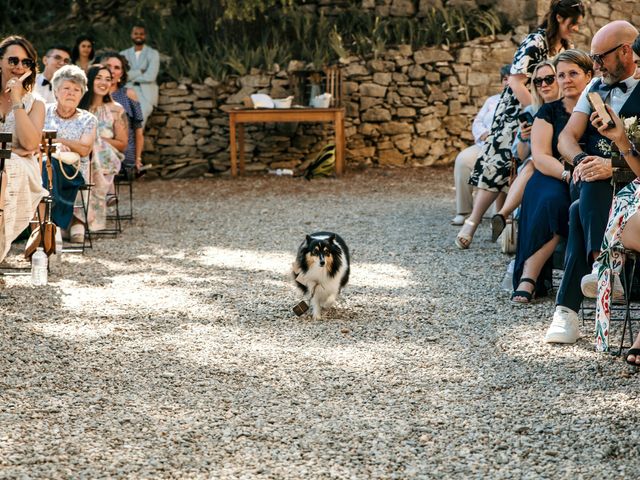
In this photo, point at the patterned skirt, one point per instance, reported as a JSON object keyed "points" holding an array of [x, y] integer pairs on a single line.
{"points": [[611, 259], [493, 167]]}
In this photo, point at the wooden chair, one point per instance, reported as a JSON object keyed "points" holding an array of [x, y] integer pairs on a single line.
{"points": [[334, 84]]}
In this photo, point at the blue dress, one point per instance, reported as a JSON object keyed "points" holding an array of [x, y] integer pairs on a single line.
{"points": [[545, 206]]}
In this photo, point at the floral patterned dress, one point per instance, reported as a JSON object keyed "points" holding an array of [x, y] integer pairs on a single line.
{"points": [[105, 164], [625, 205], [493, 167]]}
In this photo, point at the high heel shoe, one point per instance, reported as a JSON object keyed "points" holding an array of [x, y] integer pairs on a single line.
{"points": [[498, 224], [463, 240]]}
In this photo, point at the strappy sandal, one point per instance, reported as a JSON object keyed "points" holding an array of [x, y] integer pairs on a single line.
{"points": [[635, 352], [523, 293], [463, 240], [498, 224]]}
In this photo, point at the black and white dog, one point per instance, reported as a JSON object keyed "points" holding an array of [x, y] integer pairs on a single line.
{"points": [[321, 269]]}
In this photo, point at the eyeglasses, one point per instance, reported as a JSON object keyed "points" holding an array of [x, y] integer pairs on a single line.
{"points": [[599, 57], [60, 58], [26, 62], [549, 79]]}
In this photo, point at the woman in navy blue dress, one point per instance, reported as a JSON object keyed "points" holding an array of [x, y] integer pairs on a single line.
{"points": [[544, 215]]}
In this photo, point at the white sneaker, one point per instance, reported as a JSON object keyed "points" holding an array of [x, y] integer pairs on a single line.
{"points": [[564, 327], [589, 286]]}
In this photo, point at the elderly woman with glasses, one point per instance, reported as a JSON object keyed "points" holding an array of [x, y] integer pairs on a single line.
{"points": [[22, 115], [76, 133]]}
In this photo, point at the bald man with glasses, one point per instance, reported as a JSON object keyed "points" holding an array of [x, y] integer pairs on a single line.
{"points": [[56, 57], [591, 190]]}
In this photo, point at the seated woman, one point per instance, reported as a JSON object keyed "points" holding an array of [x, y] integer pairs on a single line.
{"points": [[544, 89], [21, 114], [623, 227], [76, 133], [544, 214], [126, 97], [109, 144]]}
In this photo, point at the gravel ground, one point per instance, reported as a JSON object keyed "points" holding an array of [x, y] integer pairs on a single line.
{"points": [[172, 351]]}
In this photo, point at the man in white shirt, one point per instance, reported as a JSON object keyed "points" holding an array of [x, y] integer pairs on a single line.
{"points": [[466, 159], [56, 57], [144, 63]]}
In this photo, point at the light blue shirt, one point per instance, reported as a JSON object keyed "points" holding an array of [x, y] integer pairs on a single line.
{"points": [[615, 99]]}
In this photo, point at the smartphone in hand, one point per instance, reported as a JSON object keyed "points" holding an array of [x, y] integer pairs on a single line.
{"points": [[525, 117], [598, 105]]}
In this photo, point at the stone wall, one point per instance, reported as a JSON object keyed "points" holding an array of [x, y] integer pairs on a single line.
{"points": [[405, 108]]}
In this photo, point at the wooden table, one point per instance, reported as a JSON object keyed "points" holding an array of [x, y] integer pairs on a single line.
{"points": [[239, 116]]}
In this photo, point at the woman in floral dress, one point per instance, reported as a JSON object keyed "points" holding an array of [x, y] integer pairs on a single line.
{"points": [[491, 172], [110, 142], [623, 228]]}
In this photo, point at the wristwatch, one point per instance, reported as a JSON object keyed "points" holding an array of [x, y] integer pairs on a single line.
{"points": [[633, 151], [578, 158], [17, 106], [565, 175]]}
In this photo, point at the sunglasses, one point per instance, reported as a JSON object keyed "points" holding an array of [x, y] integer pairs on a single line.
{"points": [[549, 79], [599, 57], [60, 58], [26, 62]]}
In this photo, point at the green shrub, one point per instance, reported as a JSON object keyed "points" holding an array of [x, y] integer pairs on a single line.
{"points": [[203, 38]]}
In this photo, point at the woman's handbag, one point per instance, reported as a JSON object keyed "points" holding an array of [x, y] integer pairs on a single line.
{"points": [[509, 237], [70, 159]]}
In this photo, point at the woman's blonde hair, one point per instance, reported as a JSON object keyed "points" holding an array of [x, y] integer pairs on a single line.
{"points": [[536, 99]]}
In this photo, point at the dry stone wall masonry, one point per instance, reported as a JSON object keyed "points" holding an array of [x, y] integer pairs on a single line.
{"points": [[404, 108]]}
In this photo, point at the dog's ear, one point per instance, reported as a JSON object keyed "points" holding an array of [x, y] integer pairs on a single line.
{"points": [[332, 238], [308, 240]]}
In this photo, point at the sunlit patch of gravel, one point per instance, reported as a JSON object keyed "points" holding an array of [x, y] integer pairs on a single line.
{"points": [[172, 351]]}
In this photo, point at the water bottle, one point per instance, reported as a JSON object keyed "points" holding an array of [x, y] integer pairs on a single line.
{"points": [[39, 262], [507, 281]]}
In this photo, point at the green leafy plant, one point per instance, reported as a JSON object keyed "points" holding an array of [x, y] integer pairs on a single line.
{"points": [[201, 38]]}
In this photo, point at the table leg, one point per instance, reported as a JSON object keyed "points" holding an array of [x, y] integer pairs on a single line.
{"points": [[339, 129], [241, 147], [232, 145]]}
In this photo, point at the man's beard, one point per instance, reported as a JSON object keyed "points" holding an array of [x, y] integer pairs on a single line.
{"points": [[615, 75], [138, 41]]}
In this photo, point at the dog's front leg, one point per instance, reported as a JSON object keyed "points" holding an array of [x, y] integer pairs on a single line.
{"points": [[316, 301]]}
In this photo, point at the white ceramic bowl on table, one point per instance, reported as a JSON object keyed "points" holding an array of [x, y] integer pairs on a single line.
{"points": [[283, 102]]}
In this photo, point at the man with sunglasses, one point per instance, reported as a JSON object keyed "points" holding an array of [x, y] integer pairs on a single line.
{"points": [[56, 57], [590, 153]]}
